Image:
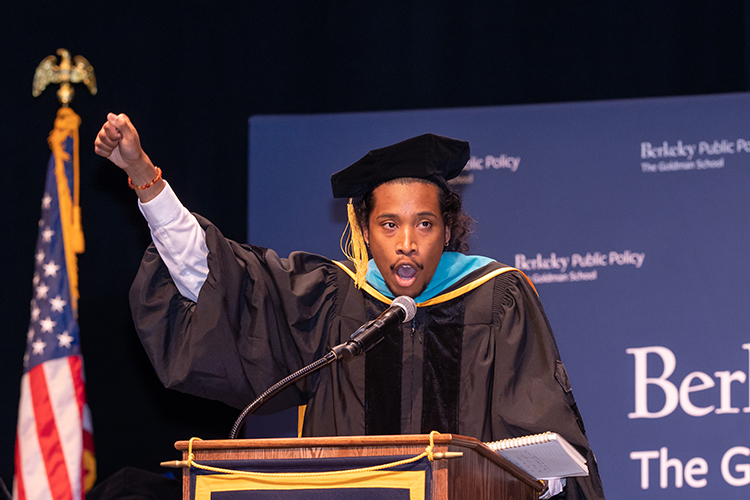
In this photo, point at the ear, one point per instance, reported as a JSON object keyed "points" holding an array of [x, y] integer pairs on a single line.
{"points": [[366, 236], [447, 235]]}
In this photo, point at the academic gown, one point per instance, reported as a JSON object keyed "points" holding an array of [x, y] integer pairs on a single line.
{"points": [[479, 359]]}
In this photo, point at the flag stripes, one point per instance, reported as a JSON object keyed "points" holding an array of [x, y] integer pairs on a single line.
{"points": [[54, 442]]}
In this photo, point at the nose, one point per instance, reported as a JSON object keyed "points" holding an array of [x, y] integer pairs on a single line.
{"points": [[406, 244]]}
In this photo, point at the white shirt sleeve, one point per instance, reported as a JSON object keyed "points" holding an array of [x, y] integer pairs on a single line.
{"points": [[554, 487], [180, 240]]}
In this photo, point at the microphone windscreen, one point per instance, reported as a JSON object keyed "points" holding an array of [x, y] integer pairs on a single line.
{"points": [[407, 304]]}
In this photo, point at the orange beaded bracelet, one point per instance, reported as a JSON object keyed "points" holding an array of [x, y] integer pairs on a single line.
{"points": [[146, 186]]}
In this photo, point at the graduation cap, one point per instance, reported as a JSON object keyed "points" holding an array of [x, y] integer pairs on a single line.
{"points": [[429, 156]]}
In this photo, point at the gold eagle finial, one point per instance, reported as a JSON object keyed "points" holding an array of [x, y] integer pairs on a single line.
{"points": [[65, 74]]}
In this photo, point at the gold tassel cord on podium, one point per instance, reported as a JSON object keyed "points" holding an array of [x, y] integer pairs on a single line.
{"points": [[428, 452]]}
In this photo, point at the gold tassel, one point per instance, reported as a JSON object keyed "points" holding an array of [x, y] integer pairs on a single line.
{"points": [[355, 248], [66, 124]]}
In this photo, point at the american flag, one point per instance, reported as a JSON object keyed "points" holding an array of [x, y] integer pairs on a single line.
{"points": [[54, 443]]}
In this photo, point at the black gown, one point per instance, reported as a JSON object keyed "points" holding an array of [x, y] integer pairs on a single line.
{"points": [[481, 361]]}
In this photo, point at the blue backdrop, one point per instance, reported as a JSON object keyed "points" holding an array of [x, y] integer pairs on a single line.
{"points": [[631, 218]]}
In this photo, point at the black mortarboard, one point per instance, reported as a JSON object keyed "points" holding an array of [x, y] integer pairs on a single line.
{"points": [[427, 156]]}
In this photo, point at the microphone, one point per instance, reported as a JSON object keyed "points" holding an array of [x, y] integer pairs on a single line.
{"points": [[402, 309]]}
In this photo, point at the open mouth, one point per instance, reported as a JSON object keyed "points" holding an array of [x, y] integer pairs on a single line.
{"points": [[405, 275]]}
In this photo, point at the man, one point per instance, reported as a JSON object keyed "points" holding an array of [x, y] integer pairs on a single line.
{"points": [[226, 321]]}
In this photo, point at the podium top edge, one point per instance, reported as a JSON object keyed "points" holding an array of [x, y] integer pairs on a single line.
{"points": [[352, 442], [332, 441]]}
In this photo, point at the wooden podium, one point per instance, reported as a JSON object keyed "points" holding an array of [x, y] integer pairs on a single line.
{"points": [[478, 474]]}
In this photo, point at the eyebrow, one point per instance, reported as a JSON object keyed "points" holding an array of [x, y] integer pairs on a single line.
{"points": [[426, 213]]}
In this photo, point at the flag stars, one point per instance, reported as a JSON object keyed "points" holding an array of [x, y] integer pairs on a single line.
{"points": [[46, 201], [50, 269], [38, 346], [30, 335], [40, 257], [47, 235], [57, 304], [41, 291], [65, 339], [35, 313], [47, 324]]}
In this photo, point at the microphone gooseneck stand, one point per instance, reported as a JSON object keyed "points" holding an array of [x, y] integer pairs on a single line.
{"points": [[402, 309], [249, 409]]}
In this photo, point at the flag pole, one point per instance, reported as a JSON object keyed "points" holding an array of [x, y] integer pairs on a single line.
{"points": [[54, 455]]}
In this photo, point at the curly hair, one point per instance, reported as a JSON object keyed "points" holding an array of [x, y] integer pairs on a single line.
{"points": [[454, 217]]}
